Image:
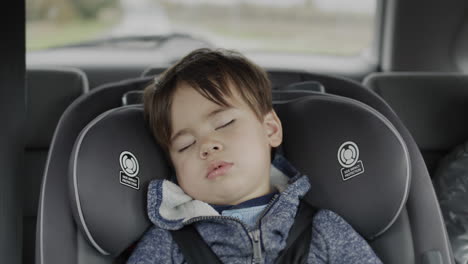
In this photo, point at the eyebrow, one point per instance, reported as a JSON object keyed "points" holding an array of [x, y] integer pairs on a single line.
{"points": [[207, 116]]}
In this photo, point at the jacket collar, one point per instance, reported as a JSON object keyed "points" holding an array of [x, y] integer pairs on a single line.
{"points": [[169, 207]]}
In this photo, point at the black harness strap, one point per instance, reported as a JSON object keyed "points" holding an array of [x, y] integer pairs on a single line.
{"points": [[193, 247], [296, 251], [298, 242]]}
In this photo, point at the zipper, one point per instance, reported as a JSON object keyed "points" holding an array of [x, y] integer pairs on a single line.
{"points": [[254, 234], [257, 247]]}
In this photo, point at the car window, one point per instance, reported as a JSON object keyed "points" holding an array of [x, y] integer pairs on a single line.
{"points": [[329, 27]]}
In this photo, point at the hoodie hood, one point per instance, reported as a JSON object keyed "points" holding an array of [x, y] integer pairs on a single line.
{"points": [[169, 207]]}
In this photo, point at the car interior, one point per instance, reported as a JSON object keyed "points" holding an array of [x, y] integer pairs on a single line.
{"points": [[72, 109]]}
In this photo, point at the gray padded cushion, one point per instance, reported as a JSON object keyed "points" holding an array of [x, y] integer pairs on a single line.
{"points": [[432, 106], [49, 92], [97, 194], [370, 201]]}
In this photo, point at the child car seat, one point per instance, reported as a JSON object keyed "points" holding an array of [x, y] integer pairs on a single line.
{"points": [[404, 227]]}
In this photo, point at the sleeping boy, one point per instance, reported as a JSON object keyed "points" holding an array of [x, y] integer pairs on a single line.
{"points": [[212, 114]]}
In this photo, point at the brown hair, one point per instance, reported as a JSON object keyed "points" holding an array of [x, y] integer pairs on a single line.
{"points": [[208, 72]]}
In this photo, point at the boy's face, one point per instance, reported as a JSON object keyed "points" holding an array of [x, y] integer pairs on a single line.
{"points": [[221, 155]]}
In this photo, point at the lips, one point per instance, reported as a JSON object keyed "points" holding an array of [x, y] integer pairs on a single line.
{"points": [[218, 168]]}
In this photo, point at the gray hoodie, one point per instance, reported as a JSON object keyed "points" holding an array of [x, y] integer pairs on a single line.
{"points": [[169, 208]]}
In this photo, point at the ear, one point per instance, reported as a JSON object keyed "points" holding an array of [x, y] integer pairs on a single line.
{"points": [[273, 129]]}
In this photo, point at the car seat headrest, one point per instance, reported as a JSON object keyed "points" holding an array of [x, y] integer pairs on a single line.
{"points": [[356, 161], [112, 162]]}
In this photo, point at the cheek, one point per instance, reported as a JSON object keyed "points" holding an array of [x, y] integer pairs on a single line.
{"points": [[188, 178], [249, 145], [185, 170]]}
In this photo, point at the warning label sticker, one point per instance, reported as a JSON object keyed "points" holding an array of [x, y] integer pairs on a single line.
{"points": [[348, 173], [132, 182]]}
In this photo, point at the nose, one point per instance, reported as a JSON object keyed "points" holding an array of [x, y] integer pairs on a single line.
{"points": [[209, 148]]}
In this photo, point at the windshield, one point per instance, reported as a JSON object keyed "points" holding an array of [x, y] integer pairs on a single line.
{"points": [[331, 27]]}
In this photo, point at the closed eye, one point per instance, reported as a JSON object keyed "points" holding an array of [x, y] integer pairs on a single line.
{"points": [[186, 147], [227, 124]]}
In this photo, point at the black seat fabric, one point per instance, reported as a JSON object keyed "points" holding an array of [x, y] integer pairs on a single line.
{"points": [[49, 92], [416, 236], [431, 105]]}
